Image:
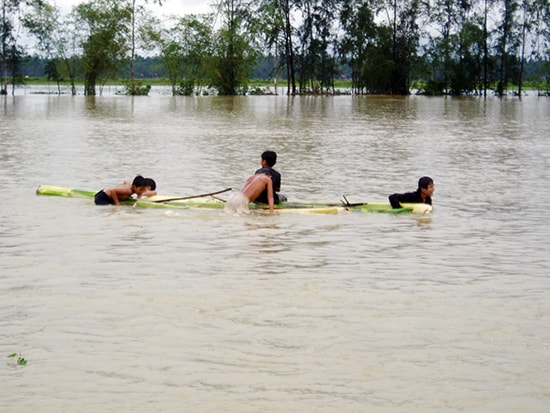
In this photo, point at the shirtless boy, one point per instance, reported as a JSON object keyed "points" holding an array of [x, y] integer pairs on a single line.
{"points": [[113, 196], [151, 187]]}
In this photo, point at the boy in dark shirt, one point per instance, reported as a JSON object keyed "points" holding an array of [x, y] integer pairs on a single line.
{"points": [[269, 159], [423, 195]]}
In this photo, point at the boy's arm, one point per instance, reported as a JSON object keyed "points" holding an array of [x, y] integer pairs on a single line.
{"points": [[394, 201], [408, 197], [148, 193], [114, 196]]}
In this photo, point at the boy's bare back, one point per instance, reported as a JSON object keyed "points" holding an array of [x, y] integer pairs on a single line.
{"points": [[120, 192]]}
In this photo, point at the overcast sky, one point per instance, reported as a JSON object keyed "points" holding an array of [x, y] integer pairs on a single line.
{"points": [[178, 7]]}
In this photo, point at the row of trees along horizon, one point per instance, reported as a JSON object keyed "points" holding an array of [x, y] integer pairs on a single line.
{"points": [[387, 46]]}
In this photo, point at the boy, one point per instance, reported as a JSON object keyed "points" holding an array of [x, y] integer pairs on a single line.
{"points": [[269, 159], [423, 195], [254, 186], [113, 196]]}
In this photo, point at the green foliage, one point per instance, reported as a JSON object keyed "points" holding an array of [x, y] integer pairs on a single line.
{"points": [[234, 49], [185, 46], [57, 40], [359, 37], [434, 87], [186, 88], [20, 360], [231, 64], [377, 75], [137, 88], [105, 47]]}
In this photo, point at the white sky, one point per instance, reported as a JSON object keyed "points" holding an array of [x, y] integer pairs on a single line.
{"points": [[177, 7]]}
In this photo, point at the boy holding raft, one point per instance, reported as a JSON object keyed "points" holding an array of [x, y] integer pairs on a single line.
{"points": [[113, 196], [423, 195]]}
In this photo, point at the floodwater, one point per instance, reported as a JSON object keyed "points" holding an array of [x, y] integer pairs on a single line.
{"points": [[141, 310]]}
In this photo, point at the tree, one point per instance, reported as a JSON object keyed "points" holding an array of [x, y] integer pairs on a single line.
{"points": [[185, 47], [289, 49], [535, 24], [42, 22], [507, 46], [197, 44], [359, 36], [105, 48], [168, 47], [234, 49], [540, 43], [135, 11], [55, 37], [449, 17], [456, 53], [378, 74], [15, 59], [10, 53], [270, 26], [467, 66], [274, 26], [317, 66], [401, 17], [486, 5]]}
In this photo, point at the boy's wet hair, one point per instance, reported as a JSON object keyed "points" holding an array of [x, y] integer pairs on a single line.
{"points": [[424, 182], [270, 157], [139, 181], [151, 183]]}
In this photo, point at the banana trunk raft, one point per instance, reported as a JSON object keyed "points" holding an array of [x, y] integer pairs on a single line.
{"points": [[211, 201]]}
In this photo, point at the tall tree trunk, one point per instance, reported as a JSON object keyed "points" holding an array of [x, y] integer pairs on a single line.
{"points": [[4, 88], [133, 58], [503, 77], [289, 52], [522, 55], [394, 46], [89, 84], [485, 51]]}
